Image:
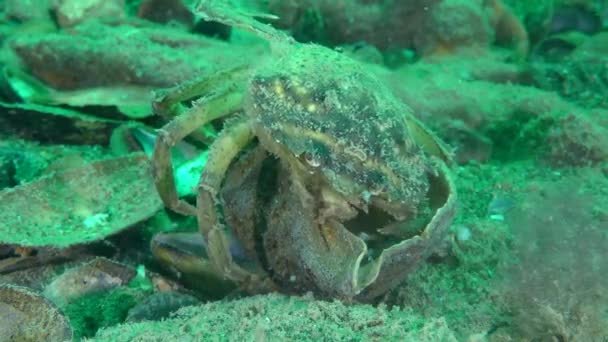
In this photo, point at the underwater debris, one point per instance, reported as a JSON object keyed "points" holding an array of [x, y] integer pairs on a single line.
{"points": [[35, 269], [82, 70], [85, 287], [53, 210], [28, 316], [23, 161]]}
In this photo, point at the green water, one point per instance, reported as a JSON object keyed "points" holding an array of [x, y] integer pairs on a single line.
{"points": [[416, 170]]}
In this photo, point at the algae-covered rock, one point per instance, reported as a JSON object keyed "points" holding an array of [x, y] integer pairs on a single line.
{"points": [[79, 205], [281, 318], [101, 309], [159, 306]]}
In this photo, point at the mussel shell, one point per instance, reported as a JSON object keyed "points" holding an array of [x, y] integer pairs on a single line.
{"points": [[56, 125], [27, 316], [79, 205]]}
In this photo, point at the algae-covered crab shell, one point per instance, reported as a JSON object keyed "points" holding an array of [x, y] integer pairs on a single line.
{"points": [[342, 122]]}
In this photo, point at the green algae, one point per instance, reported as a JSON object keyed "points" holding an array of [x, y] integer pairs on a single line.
{"points": [[99, 310]]}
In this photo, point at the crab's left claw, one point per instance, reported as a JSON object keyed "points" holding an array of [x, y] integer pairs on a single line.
{"points": [[220, 11]]}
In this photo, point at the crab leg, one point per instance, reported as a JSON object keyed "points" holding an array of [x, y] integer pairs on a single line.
{"points": [[230, 143], [204, 111]]}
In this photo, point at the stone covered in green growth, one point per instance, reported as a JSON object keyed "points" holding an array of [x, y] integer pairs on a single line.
{"points": [[79, 205], [160, 306], [107, 307], [280, 318], [101, 309]]}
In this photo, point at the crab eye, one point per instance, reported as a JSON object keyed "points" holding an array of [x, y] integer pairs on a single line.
{"points": [[312, 160]]}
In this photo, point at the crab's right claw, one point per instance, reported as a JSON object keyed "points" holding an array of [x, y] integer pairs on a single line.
{"points": [[429, 143]]}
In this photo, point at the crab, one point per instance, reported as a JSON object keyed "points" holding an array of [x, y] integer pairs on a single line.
{"points": [[322, 177]]}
